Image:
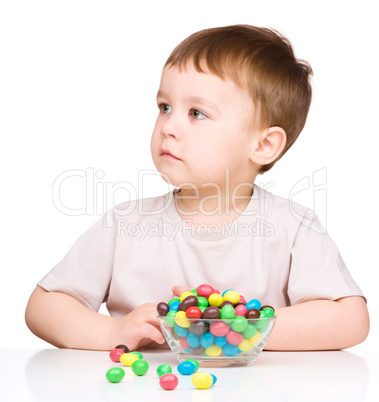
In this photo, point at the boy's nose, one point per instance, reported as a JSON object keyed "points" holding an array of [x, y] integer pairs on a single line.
{"points": [[171, 127]]}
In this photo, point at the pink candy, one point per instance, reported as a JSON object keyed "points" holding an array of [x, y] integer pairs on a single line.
{"points": [[219, 328], [234, 338], [241, 310]]}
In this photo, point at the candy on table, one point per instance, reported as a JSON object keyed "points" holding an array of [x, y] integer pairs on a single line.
{"points": [[203, 380], [138, 354], [115, 374], [168, 381], [125, 348], [163, 369], [186, 368], [140, 367], [115, 355], [127, 359], [235, 334]]}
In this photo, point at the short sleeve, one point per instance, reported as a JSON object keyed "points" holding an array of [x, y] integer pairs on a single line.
{"points": [[317, 269], [85, 272]]}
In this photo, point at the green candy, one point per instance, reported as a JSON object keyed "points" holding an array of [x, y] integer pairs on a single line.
{"points": [[170, 318], [202, 308], [138, 354], [115, 374], [163, 369], [194, 292], [262, 325], [202, 301], [250, 331], [228, 312], [140, 367], [239, 324], [269, 312]]}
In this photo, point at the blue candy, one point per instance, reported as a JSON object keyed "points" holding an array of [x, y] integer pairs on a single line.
{"points": [[207, 340], [186, 368], [174, 306], [230, 350], [220, 341], [254, 303], [193, 340], [181, 331], [214, 379]]}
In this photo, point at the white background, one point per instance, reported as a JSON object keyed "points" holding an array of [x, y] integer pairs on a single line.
{"points": [[78, 81]]}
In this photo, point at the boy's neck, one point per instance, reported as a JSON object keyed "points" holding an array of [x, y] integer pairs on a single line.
{"points": [[212, 207]]}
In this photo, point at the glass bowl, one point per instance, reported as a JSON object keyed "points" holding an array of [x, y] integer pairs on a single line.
{"points": [[217, 342]]}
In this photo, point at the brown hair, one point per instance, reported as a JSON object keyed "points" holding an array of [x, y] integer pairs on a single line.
{"points": [[261, 60]]}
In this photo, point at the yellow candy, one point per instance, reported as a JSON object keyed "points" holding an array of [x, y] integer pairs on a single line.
{"points": [[255, 339], [127, 359], [185, 294], [215, 300], [181, 319], [213, 350], [232, 296], [245, 345], [202, 380]]}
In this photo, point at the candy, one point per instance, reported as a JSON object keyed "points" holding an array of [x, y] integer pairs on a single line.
{"points": [[214, 379], [228, 312], [186, 368], [189, 301], [163, 369], [252, 313], [163, 308], [204, 322], [127, 359], [123, 347], [168, 381], [115, 355], [115, 374], [204, 290], [184, 295], [215, 299], [195, 362], [137, 354], [211, 313], [202, 380], [193, 312], [232, 296], [254, 303], [140, 367]]}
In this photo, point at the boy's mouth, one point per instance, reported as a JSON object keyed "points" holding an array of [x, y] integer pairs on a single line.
{"points": [[167, 154]]}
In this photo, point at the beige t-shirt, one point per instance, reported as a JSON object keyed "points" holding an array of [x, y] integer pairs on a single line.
{"points": [[277, 251]]}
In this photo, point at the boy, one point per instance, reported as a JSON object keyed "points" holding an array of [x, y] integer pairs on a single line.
{"points": [[232, 100]]}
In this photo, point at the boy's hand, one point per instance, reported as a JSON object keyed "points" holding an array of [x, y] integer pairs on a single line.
{"points": [[138, 328], [178, 290]]}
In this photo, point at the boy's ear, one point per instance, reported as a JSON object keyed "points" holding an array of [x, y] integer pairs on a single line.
{"points": [[268, 145]]}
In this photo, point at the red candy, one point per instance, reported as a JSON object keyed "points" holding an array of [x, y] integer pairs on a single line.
{"points": [[204, 290], [115, 355], [193, 312], [168, 381]]}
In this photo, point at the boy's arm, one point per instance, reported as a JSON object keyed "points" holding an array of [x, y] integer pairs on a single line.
{"points": [[320, 325], [66, 323]]}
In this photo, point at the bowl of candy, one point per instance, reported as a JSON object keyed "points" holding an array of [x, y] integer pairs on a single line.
{"points": [[217, 330]]}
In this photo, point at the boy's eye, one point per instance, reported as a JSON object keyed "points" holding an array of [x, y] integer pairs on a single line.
{"points": [[196, 114], [163, 108]]}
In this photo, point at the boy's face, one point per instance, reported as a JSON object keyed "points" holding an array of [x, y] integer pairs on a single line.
{"points": [[206, 123]]}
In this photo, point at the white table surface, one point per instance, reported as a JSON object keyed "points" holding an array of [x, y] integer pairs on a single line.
{"points": [[76, 375]]}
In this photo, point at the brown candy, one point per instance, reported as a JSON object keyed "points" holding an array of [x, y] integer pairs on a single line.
{"points": [[163, 308], [253, 313], [189, 301], [199, 327], [211, 313], [123, 347], [225, 303]]}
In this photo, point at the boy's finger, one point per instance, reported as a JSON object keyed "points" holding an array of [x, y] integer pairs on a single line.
{"points": [[149, 331], [178, 290]]}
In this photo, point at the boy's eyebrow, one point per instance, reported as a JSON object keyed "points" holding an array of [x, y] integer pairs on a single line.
{"points": [[197, 99]]}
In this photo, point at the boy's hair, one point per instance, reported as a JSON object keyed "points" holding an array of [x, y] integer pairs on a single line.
{"points": [[260, 60]]}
